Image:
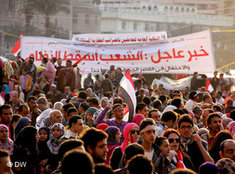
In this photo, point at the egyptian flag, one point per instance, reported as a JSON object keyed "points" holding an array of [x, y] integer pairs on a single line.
{"points": [[209, 86], [17, 47], [126, 91]]}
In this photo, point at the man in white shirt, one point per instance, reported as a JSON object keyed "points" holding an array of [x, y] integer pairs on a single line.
{"points": [[219, 99]]}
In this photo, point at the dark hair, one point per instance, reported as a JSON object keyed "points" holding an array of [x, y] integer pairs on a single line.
{"points": [[92, 136], [139, 107], [67, 106], [84, 105], [217, 107], [169, 115], [205, 96], [167, 132], [162, 98], [15, 118], [212, 115], [159, 140], [82, 95], [157, 104], [182, 171], [116, 106], [31, 98], [73, 119], [145, 122], [44, 59], [4, 153], [140, 164], [106, 75], [146, 100], [68, 145], [4, 107], [232, 114], [223, 144], [185, 118], [151, 111], [117, 100], [176, 102], [77, 160], [133, 149], [93, 100], [23, 106], [179, 111], [70, 110], [103, 169]]}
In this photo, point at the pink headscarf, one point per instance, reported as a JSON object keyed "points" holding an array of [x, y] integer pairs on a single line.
{"points": [[126, 133], [231, 127], [138, 118], [8, 144]]}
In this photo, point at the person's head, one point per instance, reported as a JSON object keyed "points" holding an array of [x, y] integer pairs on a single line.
{"points": [[207, 98], [147, 130], [217, 108], [117, 100], [193, 95], [226, 165], [65, 108], [24, 110], [14, 97], [173, 137], [76, 124], [157, 104], [67, 89], [43, 134], [140, 164], [118, 111], [42, 103], [197, 112], [15, 119], [83, 106], [146, 100], [71, 112], [130, 135], [185, 126], [68, 145], [104, 102], [95, 143], [57, 130], [75, 160], [4, 133], [132, 150], [82, 95], [5, 168], [164, 145], [32, 102], [103, 168], [209, 167], [55, 117], [6, 113], [89, 116], [227, 149], [155, 115], [23, 122], [68, 63], [177, 102], [93, 102], [205, 115], [114, 135], [141, 108], [214, 122], [59, 61], [169, 118], [182, 171]]}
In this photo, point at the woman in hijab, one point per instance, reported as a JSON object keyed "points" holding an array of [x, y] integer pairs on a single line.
{"points": [[113, 140], [26, 151], [131, 135], [89, 117], [5, 142], [24, 121], [56, 132]]}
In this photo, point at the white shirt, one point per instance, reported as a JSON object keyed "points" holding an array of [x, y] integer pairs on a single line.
{"points": [[149, 154], [219, 101]]}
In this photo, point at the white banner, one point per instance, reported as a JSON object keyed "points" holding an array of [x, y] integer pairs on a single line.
{"points": [[124, 38], [184, 54]]}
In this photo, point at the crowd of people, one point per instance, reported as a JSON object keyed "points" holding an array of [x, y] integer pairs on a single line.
{"points": [[53, 122]]}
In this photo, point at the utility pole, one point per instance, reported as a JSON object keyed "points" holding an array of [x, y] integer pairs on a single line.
{"points": [[71, 21]]}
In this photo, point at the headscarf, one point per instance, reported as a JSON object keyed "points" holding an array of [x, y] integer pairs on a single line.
{"points": [[112, 131], [8, 144], [126, 133], [53, 143], [91, 110], [6, 89], [102, 126], [138, 118], [44, 152], [231, 128], [22, 123]]}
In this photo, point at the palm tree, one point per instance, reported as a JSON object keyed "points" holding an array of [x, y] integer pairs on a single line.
{"points": [[48, 8]]}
